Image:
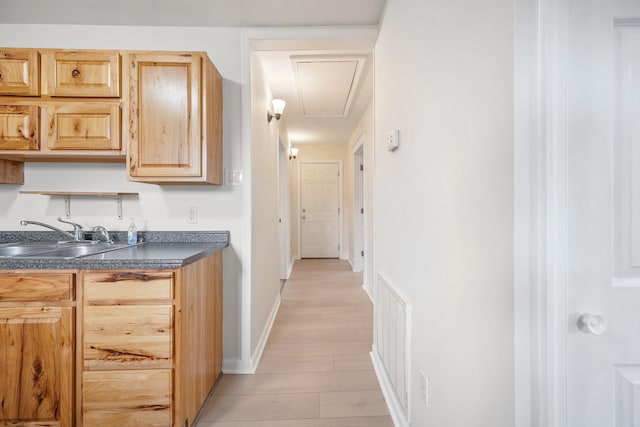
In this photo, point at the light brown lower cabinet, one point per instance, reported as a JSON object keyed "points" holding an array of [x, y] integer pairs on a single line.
{"points": [[151, 344], [146, 351], [36, 349]]}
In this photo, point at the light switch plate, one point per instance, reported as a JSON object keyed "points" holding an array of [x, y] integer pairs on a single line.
{"points": [[233, 177]]}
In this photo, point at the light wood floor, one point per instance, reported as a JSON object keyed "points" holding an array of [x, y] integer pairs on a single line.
{"points": [[315, 370]]}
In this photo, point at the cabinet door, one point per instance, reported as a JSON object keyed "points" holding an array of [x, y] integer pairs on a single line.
{"points": [[127, 398], [19, 127], [84, 73], [36, 362], [165, 117], [19, 72], [83, 126]]}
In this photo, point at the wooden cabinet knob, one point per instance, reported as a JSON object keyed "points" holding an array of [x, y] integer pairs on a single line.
{"points": [[75, 72]]}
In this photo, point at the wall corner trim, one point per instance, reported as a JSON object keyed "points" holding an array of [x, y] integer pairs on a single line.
{"points": [[257, 354]]}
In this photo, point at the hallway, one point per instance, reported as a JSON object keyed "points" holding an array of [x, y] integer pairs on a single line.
{"points": [[315, 370]]}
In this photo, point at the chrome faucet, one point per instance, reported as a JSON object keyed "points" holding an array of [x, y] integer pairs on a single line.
{"points": [[104, 234], [77, 229], [77, 234]]}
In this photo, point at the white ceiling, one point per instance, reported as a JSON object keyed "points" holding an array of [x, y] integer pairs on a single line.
{"points": [[219, 13], [275, 55]]}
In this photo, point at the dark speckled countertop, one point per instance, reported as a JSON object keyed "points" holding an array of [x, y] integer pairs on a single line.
{"points": [[161, 249]]}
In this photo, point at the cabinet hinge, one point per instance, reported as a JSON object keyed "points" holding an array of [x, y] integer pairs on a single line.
{"points": [[338, 210], [361, 253], [361, 167], [361, 210]]}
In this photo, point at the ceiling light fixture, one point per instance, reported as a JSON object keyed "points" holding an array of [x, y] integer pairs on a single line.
{"points": [[278, 108], [293, 152]]}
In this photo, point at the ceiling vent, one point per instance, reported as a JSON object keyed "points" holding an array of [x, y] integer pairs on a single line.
{"points": [[327, 84]]}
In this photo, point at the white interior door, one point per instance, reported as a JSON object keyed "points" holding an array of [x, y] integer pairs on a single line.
{"points": [[603, 123], [320, 210]]}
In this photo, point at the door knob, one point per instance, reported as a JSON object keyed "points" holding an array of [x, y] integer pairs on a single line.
{"points": [[592, 323]]}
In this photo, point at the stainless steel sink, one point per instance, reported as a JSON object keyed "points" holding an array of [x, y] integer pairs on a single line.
{"points": [[71, 249], [23, 249], [82, 250]]}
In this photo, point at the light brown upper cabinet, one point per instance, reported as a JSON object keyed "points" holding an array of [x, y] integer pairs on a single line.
{"points": [[175, 118], [19, 72], [82, 126], [19, 127], [85, 73], [72, 105], [74, 109]]}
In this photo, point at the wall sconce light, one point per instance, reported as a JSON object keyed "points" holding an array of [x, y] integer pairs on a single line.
{"points": [[293, 153], [278, 108]]}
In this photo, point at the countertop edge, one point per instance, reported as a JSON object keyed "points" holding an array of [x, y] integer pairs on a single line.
{"points": [[188, 247]]}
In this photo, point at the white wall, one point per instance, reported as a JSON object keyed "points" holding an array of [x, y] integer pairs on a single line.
{"points": [[444, 200], [157, 207], [265, 252]]}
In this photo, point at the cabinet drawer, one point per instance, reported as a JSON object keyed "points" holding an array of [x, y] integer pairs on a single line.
{"points": [[127, 398], [105, 288], [83, 127], [84, 74], [19, 127], [128, 337], [37, 287], [19, 72]]}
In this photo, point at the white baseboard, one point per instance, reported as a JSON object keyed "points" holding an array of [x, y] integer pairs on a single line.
{"points": [[239, 366], [367, 288], [236, 366], [257, 354], [291, 262], [395, 409]]}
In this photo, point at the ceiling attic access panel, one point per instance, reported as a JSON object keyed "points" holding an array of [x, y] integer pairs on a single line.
{"points": [[327, 85]]}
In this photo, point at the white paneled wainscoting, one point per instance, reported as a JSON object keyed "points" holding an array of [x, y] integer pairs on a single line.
{"points": [[391, 351]]}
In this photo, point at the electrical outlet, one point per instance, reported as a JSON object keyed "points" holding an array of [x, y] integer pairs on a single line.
{"points": [[192, 215], [393, 140], [424, 388]]}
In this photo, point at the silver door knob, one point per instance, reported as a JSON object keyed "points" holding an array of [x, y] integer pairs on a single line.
{"points": [[592, 323]]}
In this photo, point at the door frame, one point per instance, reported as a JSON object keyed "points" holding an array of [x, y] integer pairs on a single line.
{"points": [[541, 216], [340, 203], [359, 232]]}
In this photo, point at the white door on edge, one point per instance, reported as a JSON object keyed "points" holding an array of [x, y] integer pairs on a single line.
{"points": [[319, 210], [603, 113]]}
